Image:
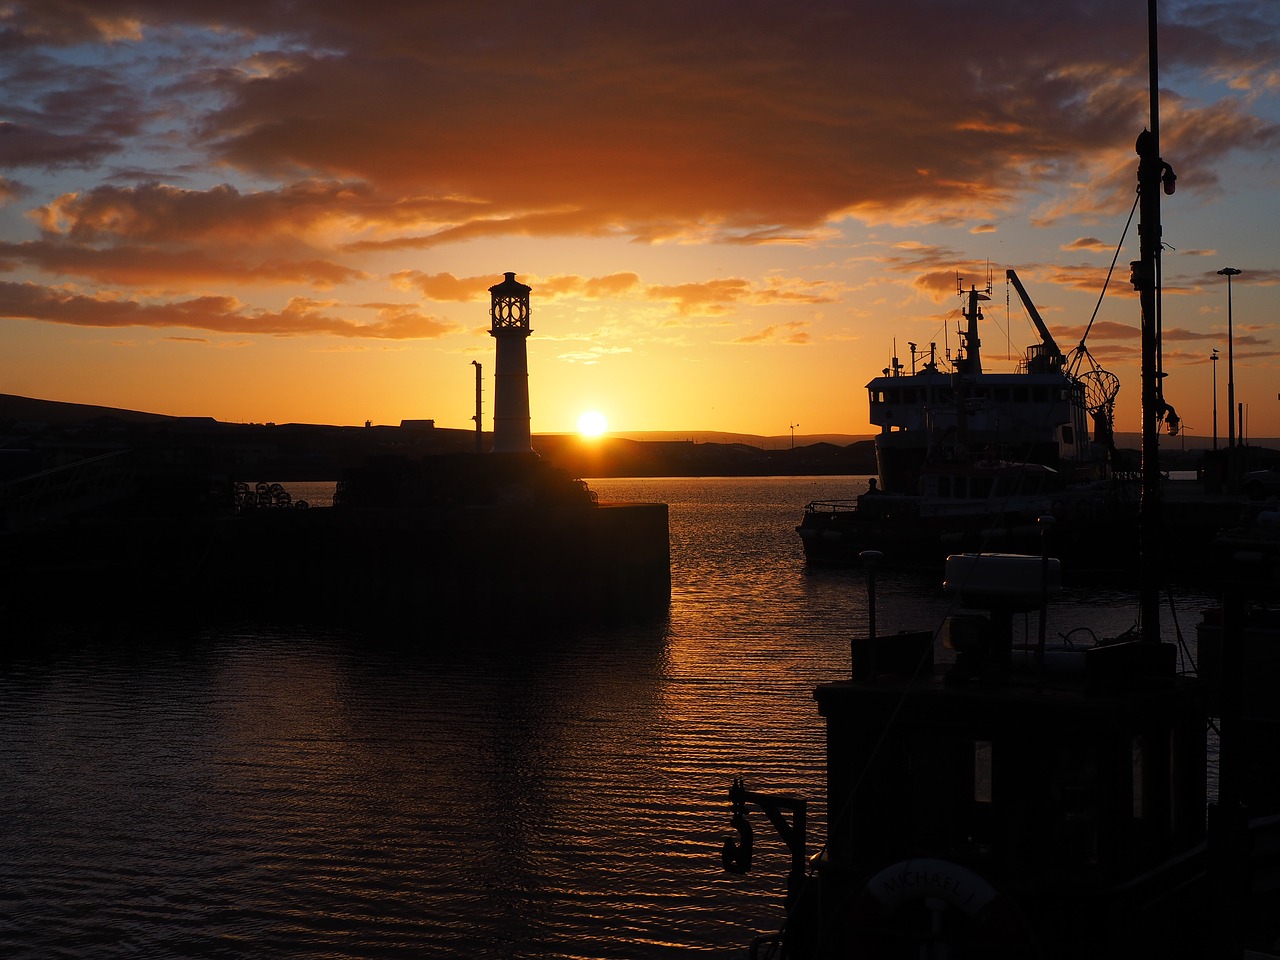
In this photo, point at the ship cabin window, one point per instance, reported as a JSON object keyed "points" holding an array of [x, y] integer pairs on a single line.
{"points": [[982, 771], [1000, 394], [1039, 394], [1068, 435], [946, 395], [980, 487], [909, 395], [1019, 394], [949, 809], [1072, 823]]}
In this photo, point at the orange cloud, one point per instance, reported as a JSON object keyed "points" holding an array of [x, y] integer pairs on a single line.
{"points": [[1086, 243], [221, 314], [791, 333], [722, 133], [11, 190], [156, 212], [145, 266], [588, 288], [444, 286], [714, 298]]}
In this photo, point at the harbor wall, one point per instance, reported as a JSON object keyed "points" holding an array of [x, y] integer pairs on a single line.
{"points": [[500, 566]]}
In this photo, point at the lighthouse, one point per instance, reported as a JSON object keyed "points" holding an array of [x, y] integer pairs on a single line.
{"points": [[509, 313]]}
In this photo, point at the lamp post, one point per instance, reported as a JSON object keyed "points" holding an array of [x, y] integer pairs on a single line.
{"points": [[1230, 272], [1214, 358], [793, 435]]}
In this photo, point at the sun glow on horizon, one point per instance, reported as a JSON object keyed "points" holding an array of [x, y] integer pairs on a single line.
{"points": [[592, 424]]}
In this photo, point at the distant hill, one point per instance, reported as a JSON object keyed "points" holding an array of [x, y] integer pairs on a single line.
{"points": [[57, 413], [60, 432], [1133, 441], [775, 442]]}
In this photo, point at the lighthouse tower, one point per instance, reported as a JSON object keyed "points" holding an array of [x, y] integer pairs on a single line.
{"points": [[509, 312]]}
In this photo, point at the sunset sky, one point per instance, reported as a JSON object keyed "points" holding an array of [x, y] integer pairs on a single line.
{"points": [[728, 211]]}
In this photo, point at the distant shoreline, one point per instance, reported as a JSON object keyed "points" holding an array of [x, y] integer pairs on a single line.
{"points": [[321, 451]]}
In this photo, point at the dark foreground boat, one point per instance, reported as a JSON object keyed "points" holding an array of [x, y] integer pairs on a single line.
{"points": [[1046, 801]]}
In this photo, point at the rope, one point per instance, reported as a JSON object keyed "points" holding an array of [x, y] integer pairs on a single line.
{"points": [[1110, 270]]}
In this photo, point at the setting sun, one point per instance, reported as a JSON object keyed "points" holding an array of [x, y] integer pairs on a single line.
{"points": [[592, 424]]}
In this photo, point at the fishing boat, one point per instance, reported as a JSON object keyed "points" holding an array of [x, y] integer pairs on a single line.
{"points": [[968, 458], [989, 795], [1049, 410]]}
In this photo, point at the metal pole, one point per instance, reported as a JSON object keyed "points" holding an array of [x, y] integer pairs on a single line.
{"points": [[1214, 358], [1232, 469], [1230, 272], [478, 418], [1153, 174]]}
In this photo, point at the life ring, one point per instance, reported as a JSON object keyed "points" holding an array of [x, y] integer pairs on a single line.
{"points": [[927, 899]]}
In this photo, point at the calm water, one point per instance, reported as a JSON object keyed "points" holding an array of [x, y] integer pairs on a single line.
{"points": [[280, 791]]}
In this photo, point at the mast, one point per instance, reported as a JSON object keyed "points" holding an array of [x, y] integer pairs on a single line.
{"points": [[973, 345], [1153, 175]]}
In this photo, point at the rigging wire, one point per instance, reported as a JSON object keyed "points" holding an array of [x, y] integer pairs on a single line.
{"points": [[1082, 350]]}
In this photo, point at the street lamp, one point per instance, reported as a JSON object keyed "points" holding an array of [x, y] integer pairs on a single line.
{"points": [[793, 435], [1230, 272], [1214, 358]]}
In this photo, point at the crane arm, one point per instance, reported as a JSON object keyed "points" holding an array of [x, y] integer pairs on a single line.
{"points": [[1050, 344]]}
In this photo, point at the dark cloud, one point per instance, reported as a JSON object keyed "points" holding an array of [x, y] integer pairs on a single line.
{"points": [[1265, 276], [25, 146], [735, 124]]}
